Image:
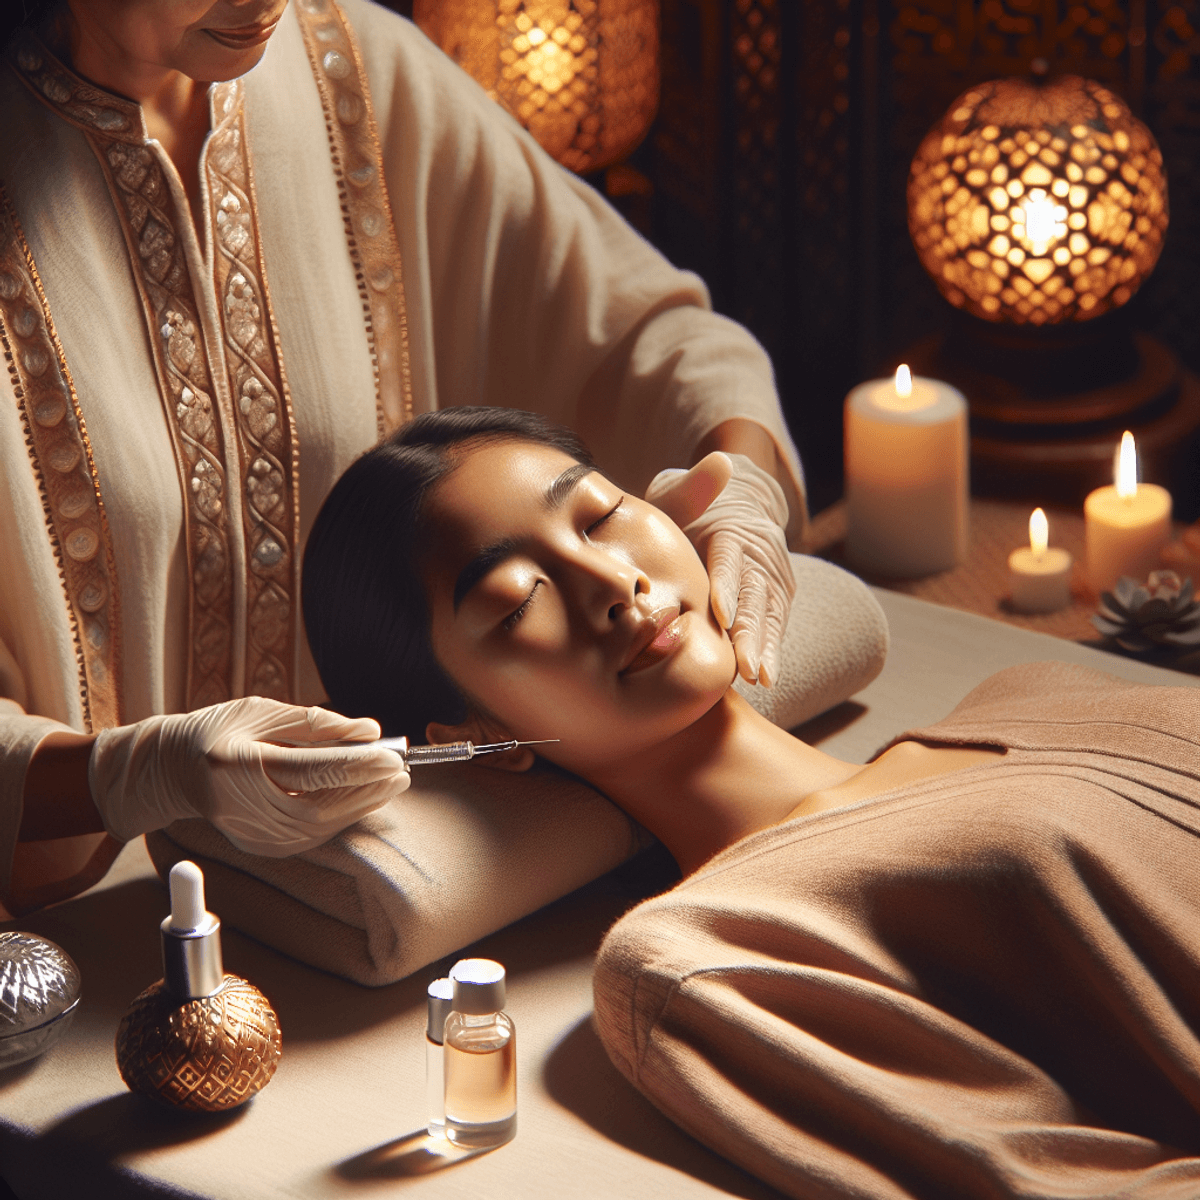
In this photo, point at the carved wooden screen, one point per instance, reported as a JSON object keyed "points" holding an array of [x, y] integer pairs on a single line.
{"points": [[782, 152]]}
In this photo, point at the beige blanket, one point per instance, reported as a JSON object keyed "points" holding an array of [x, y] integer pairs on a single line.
{"points": [[981, 985], [466, 850]]}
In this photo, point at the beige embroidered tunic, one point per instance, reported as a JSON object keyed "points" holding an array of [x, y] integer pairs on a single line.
{"points": [[378, 239]]}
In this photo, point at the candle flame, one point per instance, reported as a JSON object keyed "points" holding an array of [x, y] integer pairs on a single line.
{"points": [[903, 381], [1126, 472], [1039, 532]]}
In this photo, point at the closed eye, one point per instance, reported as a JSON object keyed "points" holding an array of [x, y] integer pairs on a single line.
{"points": [[596, 524], [510, 622]]}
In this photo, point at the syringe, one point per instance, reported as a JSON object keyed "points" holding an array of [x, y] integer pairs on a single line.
{"points": [[445, 752]]}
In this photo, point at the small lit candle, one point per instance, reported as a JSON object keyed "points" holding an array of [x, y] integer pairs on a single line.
{"points": [[906, 476], [1040, 576], [1127, 524]]}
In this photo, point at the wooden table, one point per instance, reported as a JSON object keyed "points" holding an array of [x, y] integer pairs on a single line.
{"points": [[981, 584]]}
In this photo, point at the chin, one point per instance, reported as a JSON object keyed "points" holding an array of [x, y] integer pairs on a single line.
{"points": [[213, 63]]}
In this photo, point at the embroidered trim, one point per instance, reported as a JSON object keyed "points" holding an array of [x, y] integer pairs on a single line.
{"points": [[76, 100], [62, 461], [146, 211], [366, 211], [269, 457]]}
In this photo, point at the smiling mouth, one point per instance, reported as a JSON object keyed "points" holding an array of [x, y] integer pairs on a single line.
{"points": [[244, 37], [658, 641]]}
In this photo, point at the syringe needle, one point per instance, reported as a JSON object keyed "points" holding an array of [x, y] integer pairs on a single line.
{"points": [[443, 752]]}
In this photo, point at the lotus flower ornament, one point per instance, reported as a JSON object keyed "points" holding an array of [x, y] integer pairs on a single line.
{"points": [[1141, 617]]}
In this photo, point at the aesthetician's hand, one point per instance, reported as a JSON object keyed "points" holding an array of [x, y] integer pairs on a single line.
{"points": [[221, 763], [734, 513]]}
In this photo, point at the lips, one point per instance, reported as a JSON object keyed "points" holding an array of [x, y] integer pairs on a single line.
{"points": [[655, 640], [245, 36]]}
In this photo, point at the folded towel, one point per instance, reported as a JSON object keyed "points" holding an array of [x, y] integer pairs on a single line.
{"points": [[466, 850]]}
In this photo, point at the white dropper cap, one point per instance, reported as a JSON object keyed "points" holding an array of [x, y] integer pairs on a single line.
{"points": [[187, 898], [478, 986], [191, 937]]}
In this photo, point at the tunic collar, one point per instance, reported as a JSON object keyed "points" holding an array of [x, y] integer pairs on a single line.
{"points": [[74, 99]]}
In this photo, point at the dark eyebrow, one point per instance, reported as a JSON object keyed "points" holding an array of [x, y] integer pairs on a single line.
{"points": [[483, 562], [565, 484], [492, 556]]}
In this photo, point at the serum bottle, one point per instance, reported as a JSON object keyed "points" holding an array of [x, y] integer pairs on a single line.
{"points": [[197, 1039], [440, 995], [480, 1058]]}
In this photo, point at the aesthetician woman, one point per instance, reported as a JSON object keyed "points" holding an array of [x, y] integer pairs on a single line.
{"points": [[218, 286]]}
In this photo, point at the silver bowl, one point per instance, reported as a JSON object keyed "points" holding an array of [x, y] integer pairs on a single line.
{"points": [[39, 993]]}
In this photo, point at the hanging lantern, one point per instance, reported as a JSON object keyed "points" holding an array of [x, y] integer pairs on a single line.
{"points": [[580, 75], [1038, 202]]}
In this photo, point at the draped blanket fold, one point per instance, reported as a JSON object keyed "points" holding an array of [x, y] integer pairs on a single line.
{"points": [[982, 985]]}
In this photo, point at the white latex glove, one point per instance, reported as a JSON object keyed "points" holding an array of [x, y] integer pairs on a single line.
{"points": [[734, 513], [220, 763]]}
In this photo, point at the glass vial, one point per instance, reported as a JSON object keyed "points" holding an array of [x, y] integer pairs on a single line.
{"points": [[439, 994], [480, 1058]]}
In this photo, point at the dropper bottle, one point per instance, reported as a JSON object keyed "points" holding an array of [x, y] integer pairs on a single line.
{"points": [[480, 1058], [197, 1039], [439, 999]]}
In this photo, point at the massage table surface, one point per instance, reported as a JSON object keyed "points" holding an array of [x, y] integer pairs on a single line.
{"points": [[345, 1113]]}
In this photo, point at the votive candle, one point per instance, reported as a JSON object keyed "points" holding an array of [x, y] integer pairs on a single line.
{"points": [[1127, 524], [906, 457], [1039, 574]]}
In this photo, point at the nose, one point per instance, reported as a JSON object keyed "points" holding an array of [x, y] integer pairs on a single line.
{"points": [[606, 585]]}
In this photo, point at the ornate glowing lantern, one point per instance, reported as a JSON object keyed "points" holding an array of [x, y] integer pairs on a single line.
{"points": [[580, 75], [1037, 202]]}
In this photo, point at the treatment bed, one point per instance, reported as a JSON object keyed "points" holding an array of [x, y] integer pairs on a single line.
{"points": [[344, 1114]]}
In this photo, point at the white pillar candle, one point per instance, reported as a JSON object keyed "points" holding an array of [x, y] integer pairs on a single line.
{"points": [[1039, 574], [1127, 524], [906, 476]]}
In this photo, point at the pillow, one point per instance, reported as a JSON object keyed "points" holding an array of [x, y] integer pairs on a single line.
{"points": [[466, 851]]}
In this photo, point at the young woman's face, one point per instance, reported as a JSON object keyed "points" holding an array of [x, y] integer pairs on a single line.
{"points": [[568, 609]]}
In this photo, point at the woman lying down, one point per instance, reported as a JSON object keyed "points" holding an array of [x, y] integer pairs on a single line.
{"points": [[970, 968]]}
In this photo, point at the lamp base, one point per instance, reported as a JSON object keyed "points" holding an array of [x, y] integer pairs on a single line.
{"points": [[1048, 407]]}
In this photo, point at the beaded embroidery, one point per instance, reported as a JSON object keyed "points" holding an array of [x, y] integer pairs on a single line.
{"points": [[366, 210], [261, 413], [269, 452], [66, 474], [259, 403]]}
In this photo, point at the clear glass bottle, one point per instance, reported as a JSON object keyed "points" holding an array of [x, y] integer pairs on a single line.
{"points": [[480, 1058], [439, 996]]}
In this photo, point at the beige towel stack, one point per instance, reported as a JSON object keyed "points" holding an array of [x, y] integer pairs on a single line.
{"points": [[467, 850]]}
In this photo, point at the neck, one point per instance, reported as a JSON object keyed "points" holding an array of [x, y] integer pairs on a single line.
{"points": [[100, 59], [730, 773], [174, 106]]}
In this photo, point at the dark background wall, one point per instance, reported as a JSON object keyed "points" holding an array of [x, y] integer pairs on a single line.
{"points": [[777, 166]]}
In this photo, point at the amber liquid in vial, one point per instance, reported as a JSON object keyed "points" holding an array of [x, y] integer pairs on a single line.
{"points": [[481, 1080]]}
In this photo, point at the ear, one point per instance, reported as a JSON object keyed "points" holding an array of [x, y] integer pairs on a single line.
{"points": [[481, 731]]}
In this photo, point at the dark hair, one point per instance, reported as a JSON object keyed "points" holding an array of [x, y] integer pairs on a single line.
{"points": [[364, 604]]}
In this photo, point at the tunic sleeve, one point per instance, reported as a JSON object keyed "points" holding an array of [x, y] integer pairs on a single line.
{"points": [[39, 683], [526, 289]]}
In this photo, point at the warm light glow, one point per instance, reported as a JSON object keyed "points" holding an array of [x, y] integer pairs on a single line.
{"points": [[1039, 223], [903, 381], [1126, 473], [1038, 202], [581, 75], [1039, 532]]}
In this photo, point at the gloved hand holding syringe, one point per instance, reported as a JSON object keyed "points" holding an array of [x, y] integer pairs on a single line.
{"points": [[444, 752]]}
